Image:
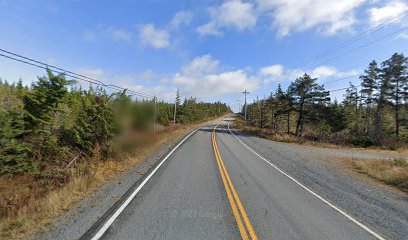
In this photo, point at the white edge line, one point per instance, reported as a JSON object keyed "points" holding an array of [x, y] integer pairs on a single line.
{"points": [[369, 230], [108, 223]]}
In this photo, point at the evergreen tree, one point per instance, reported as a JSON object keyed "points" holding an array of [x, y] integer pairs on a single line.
{"points": [[274, 108], [385, 89], [306, 91], [14, 153], [41, 104], [396, 67], [177, 106], [368, 87], [350, 106], [95, 124]]}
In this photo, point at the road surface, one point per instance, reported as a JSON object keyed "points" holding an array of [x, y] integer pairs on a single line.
{"points": [[214, 186]]}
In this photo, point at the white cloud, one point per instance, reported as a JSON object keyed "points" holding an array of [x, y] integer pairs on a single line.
{"points": [[274, 70], [209, 29], [286, 16], [324, 72], [204, 77], [182, 18], [234, 14], [120, 35], [132, 82], [157, 38], [277, 73], [392, 9], [201, 65], [329, 17]]}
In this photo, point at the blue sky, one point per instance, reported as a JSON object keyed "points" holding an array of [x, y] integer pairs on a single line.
{"points": [[209, 49]]}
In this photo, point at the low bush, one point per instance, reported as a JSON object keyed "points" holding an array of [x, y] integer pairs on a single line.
{"points": [[363, 141]]}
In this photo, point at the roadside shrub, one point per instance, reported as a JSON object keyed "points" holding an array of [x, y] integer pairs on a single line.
{"points": [[14, 154], [363, 141], [14, 158], [95, 125]]}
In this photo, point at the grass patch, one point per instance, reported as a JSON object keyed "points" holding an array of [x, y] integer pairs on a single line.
{"points": [[28, 203], [269, 134], [391, 172]]}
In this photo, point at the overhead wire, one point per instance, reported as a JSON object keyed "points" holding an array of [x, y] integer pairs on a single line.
{"points": [[364, 45], [354, 75], [76, 76], [356, 38]]}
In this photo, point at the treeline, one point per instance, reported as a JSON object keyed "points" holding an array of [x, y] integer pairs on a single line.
{"points": [[375, 114], [44, 126]]}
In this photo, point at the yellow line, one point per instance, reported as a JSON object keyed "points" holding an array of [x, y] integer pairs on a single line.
{"points": [[241, 227], [240, 206], [231, 188]]}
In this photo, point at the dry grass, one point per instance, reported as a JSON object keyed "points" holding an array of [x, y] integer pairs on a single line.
{"points": [[391, 172], [288, 138], [394, 173], [28, 205], [266, 133]]}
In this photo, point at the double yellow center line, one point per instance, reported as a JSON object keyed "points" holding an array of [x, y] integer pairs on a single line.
{"points": [[244, 225]]}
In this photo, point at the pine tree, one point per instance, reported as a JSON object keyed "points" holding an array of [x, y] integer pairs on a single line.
{"points": [[385, 89], [274, 107], [306, 92], [350, 106], [396, 66], [368, 87]]}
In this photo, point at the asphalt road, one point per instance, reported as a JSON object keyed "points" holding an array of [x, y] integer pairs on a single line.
{"points": [[197, 194]]}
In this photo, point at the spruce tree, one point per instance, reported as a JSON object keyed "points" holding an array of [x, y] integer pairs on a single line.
{"points": [[41, 104], [14, 153]]}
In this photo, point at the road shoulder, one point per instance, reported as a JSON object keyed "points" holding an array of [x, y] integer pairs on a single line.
{"points": [[375, 205], [76, 221]]}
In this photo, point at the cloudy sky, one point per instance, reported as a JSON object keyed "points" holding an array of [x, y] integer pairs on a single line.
{"points": [[209, 49]]}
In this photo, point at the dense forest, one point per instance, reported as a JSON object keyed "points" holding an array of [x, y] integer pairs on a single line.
{"points": [[44, 126], [374, 113]]}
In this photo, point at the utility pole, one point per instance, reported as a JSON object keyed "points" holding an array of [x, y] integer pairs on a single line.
{"points": [[219, 102], [175, 110], [245, 106], [154, 115], [175, 106]]}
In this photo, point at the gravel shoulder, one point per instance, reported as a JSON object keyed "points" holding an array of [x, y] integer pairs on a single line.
{"points": [[380, 207]]}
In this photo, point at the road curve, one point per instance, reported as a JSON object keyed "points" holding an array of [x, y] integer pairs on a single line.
{"points": [[190, 197]]}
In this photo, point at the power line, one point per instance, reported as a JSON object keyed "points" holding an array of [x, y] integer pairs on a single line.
{"points": [[344, 78], [340, 89], [356, 38], [355, 75], [364, 45], [71, 74]]}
